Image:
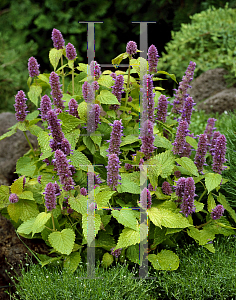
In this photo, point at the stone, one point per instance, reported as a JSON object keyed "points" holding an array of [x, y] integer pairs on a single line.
{"points": [[220, 102], [13, 147], [208, 84]]}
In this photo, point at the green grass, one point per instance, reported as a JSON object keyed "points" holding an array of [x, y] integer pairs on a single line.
{"points": [[201, 275]]}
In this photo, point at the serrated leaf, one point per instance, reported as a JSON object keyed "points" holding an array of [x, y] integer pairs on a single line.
{"points": [[34, 129], [69, 122], [17, 186], [40, 221], [25, 166], [106, 97], [34, 93], [187, 164], [191, 141], [9, 133], [161, 141], [14, 211], [54, 57], [96, 220], [29, 209], [173, 220], [106, 81], [79, 160], [27, 195], [63, 241], [118, 59], [72, 261], [199, 206], [82, 110], [132, 253], [210, 203], [105, 241], [128, 184], [172, 76], [26, 227], [126, 217], [44, 78], [165, 260], [210, 247], [4, 196], [201, 236], [162, 164], [212, 180], [97, 139], [155, 216], [79, 203], [44, 140], [89, 144], [73, 137], [129, 140], [103, 198], [222, 200], [107, 260]]}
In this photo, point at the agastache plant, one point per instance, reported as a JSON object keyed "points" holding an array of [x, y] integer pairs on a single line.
{"points": [[209, 130], [33, 67], [55, 174], [200, 157]]}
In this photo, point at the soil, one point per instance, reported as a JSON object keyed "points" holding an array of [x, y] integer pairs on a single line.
{"points": [[12, 251]]}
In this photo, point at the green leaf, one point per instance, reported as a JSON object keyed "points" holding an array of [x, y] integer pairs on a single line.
{"points": [[107, 260], [14, 211], [106, 97], [69, 122], [82, 110], [210, 247], [54, 57], [118, 59], [161, 141], [79, 160], [4, 196], [199, 206], [63, 241], [187, 164], [44, 78], [222, 200], [191, 141], [34, 129], [103, 198], [34, 93], [106, 80], [127, 184], [29, 209], [97, 139], [201, 236], [73, 137], [26, 227], [172, 76], [27, 195], [9, 133], [212, 180], [105, 241], [40, 221], [126, 217], [159, 235], [72, 261], [17, 186], [25, 166], [155, 216], [132, 253], [89, 144], [165, 260], [79, 203], [44, 140], [96, 220], [210, 203], [129, 140], [173, 220]]}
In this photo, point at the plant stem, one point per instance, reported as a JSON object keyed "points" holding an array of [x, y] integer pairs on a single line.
{"points": [[202, 196], [63, 75], [127, 91], [53, 222], [29, 142], [200, 226]]}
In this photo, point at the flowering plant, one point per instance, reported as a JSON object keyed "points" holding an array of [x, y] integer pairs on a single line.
{"points": [[92, 124]]}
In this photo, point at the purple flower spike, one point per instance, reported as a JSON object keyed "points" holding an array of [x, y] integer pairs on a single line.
{"points": [[50, 196], [20, 106], [33, 67], [95, 85], [83, 191], [216, 134], [65, 146], [88, 92], [70, 51], [217, 212], [128, 166], [148, 98], [73, 105], [56, 90], [117, 90], [200, 157], [181, 134], [95, 69], [147, 139], [177, 174], [188, 109], [55, 128], [57, 38], [131, 47], [152, 58], [166, 188], [219, 154], [45, 106], [179, 189], [115, 139], [116, 253], [187, 149], [149, 198], [39, 179], [209, 129], [94, 117], [151, 188], [162, 108], [113, 171], [181, 93], [13, 198], [187, 206], [63, 170], [130, 99]]}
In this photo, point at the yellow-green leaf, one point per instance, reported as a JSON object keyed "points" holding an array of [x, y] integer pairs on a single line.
{"points": [[212, 180], [188, 164], [26, 227], [40, 221], [54, 57], [155, 216], [107, 260], [63, 241], [106, 97], [34, 93], [210, 203], [103, 198], [79, 203], [17, 186], [165, 260], [126, 217], [72, 261], [89, 232]]}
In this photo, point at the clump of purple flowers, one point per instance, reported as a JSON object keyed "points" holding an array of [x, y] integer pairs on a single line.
{"points": [[70, 51], [146, 193], [115, 139], [57, 38], [166, 188], [131, 47], [63, 169], [177, 173], [50, 196], [95, 69], [73, 105], [13, 198], [33, 67], [151, 188], [116, 253], [20, 106], [147, 139], [181, 134], [162, 108], [45, 106], [179, 189], [83, 191], [217, 212], [88, 92], [219, 154], [94, 116], [128, 166], [152, 58], [56, 90], [117, 90], [113, 171], [187, 206], [148, 98], [200, 157], [187, 149], [216, 134], [188, 109]]}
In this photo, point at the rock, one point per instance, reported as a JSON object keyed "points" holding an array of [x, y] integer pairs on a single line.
{"points": [[220, 102], [13, 147], [208, 84]]}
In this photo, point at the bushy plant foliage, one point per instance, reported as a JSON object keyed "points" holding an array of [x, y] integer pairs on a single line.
{"points": [[208, 40], [50, 199]]}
